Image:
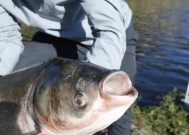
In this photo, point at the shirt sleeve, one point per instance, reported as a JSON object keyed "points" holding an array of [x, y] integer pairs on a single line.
{"points": [[109, 29], [10, 42]]}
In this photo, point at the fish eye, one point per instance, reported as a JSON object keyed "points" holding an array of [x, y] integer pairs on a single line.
{"points": [[79, 100]]}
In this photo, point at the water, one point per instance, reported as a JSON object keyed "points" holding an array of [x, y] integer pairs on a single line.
{"points": [[163, 48]]}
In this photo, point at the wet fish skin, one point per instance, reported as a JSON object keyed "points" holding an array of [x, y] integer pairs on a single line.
{"points": [[62, 97]]}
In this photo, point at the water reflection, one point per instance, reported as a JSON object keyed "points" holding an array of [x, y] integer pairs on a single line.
{"points": [[163, 49]]}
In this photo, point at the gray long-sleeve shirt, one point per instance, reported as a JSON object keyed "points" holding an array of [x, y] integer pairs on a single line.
{"points": [[101, 24]]}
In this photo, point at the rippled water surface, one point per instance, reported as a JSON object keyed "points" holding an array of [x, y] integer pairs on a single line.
{"points": [[163, 48]]}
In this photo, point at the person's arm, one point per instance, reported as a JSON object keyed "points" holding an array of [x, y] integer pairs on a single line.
{"points": [[109, 29], [10, 42]]}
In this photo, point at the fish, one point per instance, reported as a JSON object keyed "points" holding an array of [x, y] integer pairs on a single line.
{"points": [[63, 97]]}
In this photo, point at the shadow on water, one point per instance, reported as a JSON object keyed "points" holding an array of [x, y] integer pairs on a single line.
{"points": [[163, 48]]}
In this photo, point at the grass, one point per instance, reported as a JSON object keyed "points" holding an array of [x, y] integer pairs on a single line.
{"points": [[166, 119], [27, 33]]}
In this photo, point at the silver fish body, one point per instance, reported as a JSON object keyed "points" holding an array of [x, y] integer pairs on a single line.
{"points": [[63, 97]]}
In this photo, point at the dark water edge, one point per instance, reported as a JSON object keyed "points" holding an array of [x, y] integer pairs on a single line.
{"points": [[163, 48]]}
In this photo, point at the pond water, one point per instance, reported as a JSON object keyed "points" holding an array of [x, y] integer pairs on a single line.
{"points": [[163, 48]]}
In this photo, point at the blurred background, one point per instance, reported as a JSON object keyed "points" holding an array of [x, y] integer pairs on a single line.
{"points": [[163, 47]]}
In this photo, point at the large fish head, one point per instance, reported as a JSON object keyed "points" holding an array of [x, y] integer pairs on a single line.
{"points": [[79, 98]]}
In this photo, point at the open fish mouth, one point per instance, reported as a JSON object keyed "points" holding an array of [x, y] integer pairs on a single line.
{"points": [[117, 84], [117, 87]]}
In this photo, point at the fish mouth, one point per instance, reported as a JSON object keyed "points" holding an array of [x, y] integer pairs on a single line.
{"points": [[117, 83], [117, 86]]}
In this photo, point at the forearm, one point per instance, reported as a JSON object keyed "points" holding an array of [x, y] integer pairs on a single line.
{"points": [[109, 28], [10, 42]]}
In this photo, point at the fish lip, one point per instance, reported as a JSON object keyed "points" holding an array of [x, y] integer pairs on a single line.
{"points": [[130, 90], [124, 98]]}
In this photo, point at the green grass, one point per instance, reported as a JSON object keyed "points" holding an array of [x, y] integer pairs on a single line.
{"points": [[27, 33], [166, 119]]}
